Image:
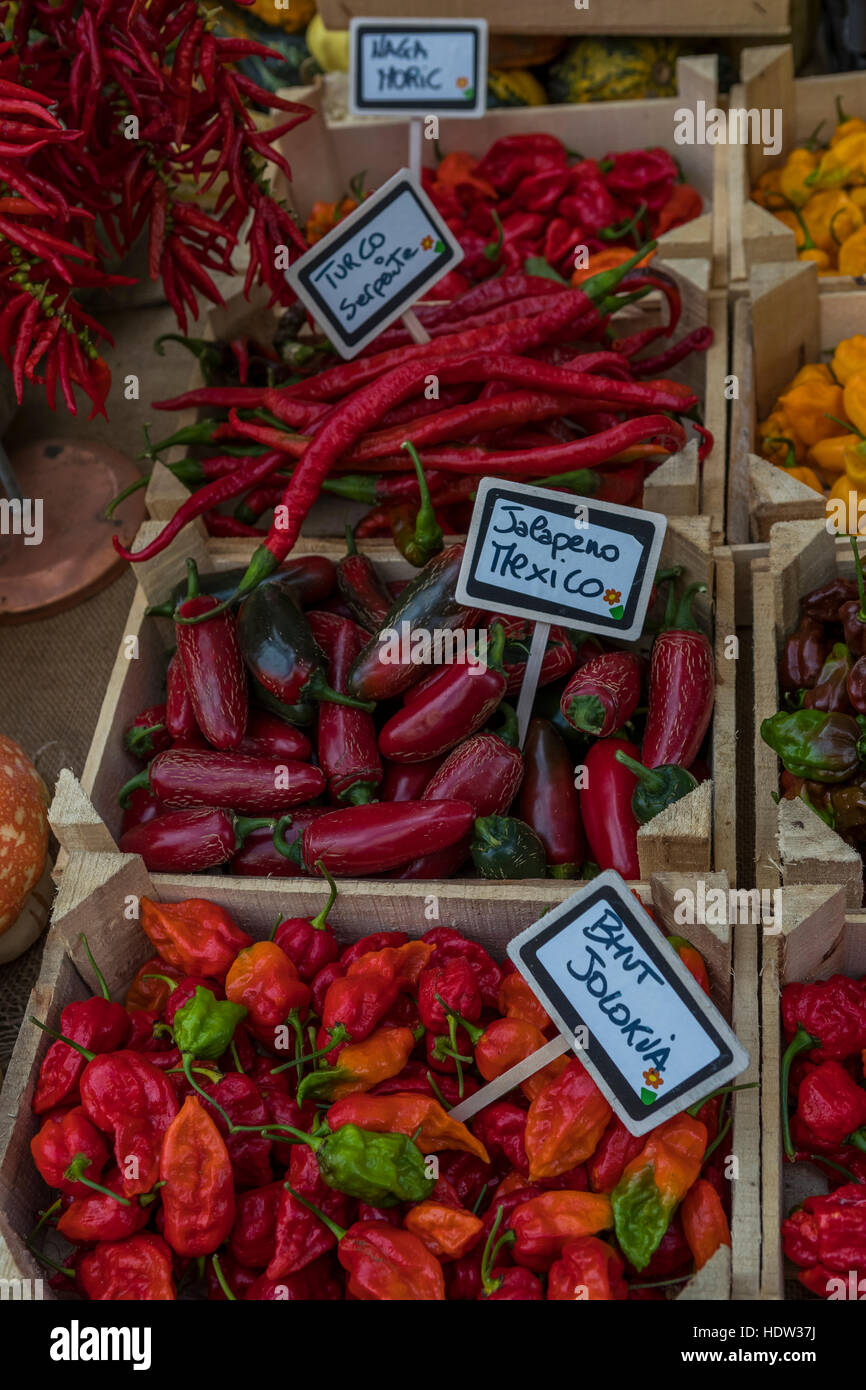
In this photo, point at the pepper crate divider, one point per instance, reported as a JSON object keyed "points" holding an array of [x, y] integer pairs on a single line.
{"points": [[768, 83], [792, 844], [819, 937], [781, 325], [693, 835], [613, 17], [332, 152], [94, 895], [680, 487]]}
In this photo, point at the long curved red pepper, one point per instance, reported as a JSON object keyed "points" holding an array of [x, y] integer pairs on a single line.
{"points": [[605, 807], [347, 749], [383, 835], [682, 690]]}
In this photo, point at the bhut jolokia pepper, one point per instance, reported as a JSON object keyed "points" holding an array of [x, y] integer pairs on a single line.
{"points": [[827, 1236], [654, 1183], [588, 1268], [203, 1026], [449, 1232], [704, 1222], [504, 847], [692, 960], [361, 998], [615, 1150], [138, 1268], [186, 778], [347, 750], [195, 936], [544, 1225], [105, 1215], [817, 745], [831, 1109], [96, 1024], [309, 942], [606, 807], [549, 801], [279, 649], [264, 981], [198, 1195], [420, 1116], [456, 701], [682, 688], [657, 787], [385, 1263], [604, 694], [214, 675], [65, 1136], [361, 1066], [565, 1123]]}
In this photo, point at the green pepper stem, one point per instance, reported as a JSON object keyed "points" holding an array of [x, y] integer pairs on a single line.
{"points": [[61, 1037], [858, 1139], [791, 456], [722, 1091], [508, 730], [597, 287], [95, 968], [711, 1148], [428, 538], [320, 921], [351, 544], [474, 1032], [801, 1042], [317, 688], [431, 1081], [493, 248], [338, 1231], [48, 1212], [262, 564], [172, 984], [140, 782], [339, 1035], [647, 775], [842, 118], [75, 1173], [126, 492], [50, 1264], [245, 825], [616, 233], [582, 481], [491, 1250], [354, 487], [221, 1279], [839, 1168], [684, 621]]}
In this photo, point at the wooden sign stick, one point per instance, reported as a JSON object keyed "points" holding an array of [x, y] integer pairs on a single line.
{"points": [[415, 328], [509, 1079], [416, 136], [537, 648]]}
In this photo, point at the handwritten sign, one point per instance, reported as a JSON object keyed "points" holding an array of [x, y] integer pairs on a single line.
{"points": [[553, 558], [373, 266], [640, 1023], [423, 67]]}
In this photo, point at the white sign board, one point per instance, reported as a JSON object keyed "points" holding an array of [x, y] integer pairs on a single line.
{"points": [[640, 1023], [424, 67], [550, 557], [375, 264]]}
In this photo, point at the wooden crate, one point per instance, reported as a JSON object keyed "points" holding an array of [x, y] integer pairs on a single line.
{"points": [[694, 835], [818, 938], [782, 324], [92, 897], [768, 82], [792, 845], [680, 487], [739, 18], [333, 151]]}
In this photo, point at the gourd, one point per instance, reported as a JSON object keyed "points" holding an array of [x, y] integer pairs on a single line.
{"points": [[514, 87], [23, 840], [614, 70]]}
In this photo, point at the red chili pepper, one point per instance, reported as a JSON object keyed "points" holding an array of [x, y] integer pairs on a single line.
{"points": [[259, 858], [605, 807], [184, 778], [407, 781], [682, 690], [67, 1135], [549, 800], [347, 749], [128, 1097], [213, 669], [604, 694], [189, 841], [361, 588], [370, 839]]}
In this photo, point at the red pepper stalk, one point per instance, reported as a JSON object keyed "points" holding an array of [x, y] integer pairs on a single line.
{"points": [[426, 538]]}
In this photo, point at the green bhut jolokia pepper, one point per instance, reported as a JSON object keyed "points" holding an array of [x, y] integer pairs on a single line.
{"points": [[653, 1185], [380, 1169], [816, 745], [204, 1026]]}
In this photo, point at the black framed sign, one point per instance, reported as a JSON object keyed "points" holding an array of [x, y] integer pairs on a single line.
{"points": [[640, 1023], [554, 558], [429, 67], [374, 266]]}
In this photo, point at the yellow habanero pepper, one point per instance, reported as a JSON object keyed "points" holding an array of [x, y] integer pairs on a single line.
{"points": [[858, 196], [830, 218], [846, 125], [849, 358], [813, 371], [768, 189], [855, 462], [790, 466], [844, 163], [801, 165], [854, 402], [852, 254], [808, 407], [778, 426], [829, 454]]}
